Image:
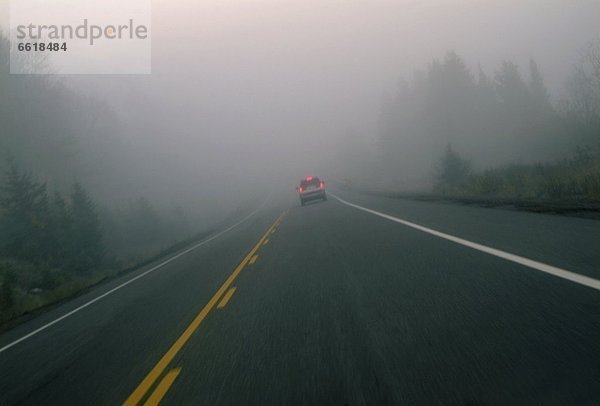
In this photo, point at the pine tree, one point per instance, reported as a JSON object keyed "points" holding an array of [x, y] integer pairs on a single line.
{"points": [[510, 87], [453, 170], [539, 93], [86, 237], [61, 230], [24, 203]]}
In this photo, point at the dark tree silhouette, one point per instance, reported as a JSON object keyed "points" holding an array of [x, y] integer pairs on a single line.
{"points": [[86, 236], [453, 171], [25, 220]]}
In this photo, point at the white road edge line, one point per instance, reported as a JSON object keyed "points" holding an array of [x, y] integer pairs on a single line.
{"points": [[154, 268], [549, 269]]}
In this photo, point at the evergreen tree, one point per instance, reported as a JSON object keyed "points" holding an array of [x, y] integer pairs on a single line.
{"points": [[86, 237], [453, 171], [510, 87], [61, 229], [539, 93], [24, 203]]}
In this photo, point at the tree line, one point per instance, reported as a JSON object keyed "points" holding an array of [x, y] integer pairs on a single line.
{"points": [[56, 231], [44, 238], [50, 239], [477, 121], [58, 234]]}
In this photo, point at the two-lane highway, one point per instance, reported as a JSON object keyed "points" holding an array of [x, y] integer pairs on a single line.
{"points": [[101, 352], [329, 303]]}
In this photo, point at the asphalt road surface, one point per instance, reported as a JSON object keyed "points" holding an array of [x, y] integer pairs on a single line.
{"points": [[332, 304]]}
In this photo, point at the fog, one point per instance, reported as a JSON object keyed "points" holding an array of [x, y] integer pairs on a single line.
{"points": [[456, 231], [247, 96], [243, 90]]}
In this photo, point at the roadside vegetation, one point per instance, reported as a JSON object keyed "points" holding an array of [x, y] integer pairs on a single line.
{"points": [[570, 182], [453, 132], [70, 211], [53, 245]]}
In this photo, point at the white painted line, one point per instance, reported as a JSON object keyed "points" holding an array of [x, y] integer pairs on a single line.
{"points": [[173, 258], [549, 269]]}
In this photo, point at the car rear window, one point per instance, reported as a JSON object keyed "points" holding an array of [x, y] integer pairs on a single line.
{"points": [[312, 182]]}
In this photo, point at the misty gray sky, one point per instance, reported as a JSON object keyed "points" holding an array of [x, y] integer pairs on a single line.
{"points": [[268, 83]]}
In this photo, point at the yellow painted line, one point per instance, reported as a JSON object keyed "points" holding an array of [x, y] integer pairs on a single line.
{"points": [[162, 364], [253, 259], [163, 387], [226, 298], [265, 242]]}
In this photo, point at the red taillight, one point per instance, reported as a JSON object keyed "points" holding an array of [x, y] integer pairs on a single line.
{"points": [[301, 188], [321, 185], [309, 179]]}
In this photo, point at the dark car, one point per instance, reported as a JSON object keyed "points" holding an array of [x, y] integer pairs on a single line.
{"points": [[311, 188]]}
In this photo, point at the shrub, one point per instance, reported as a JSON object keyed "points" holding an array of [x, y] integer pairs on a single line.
{"points": [[453, 171]]}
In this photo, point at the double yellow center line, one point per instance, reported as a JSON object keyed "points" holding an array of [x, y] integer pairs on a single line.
{"points": [[143, 388]]}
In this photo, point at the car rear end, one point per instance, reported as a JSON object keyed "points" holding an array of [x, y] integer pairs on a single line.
{"points": [[311, 188]]}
